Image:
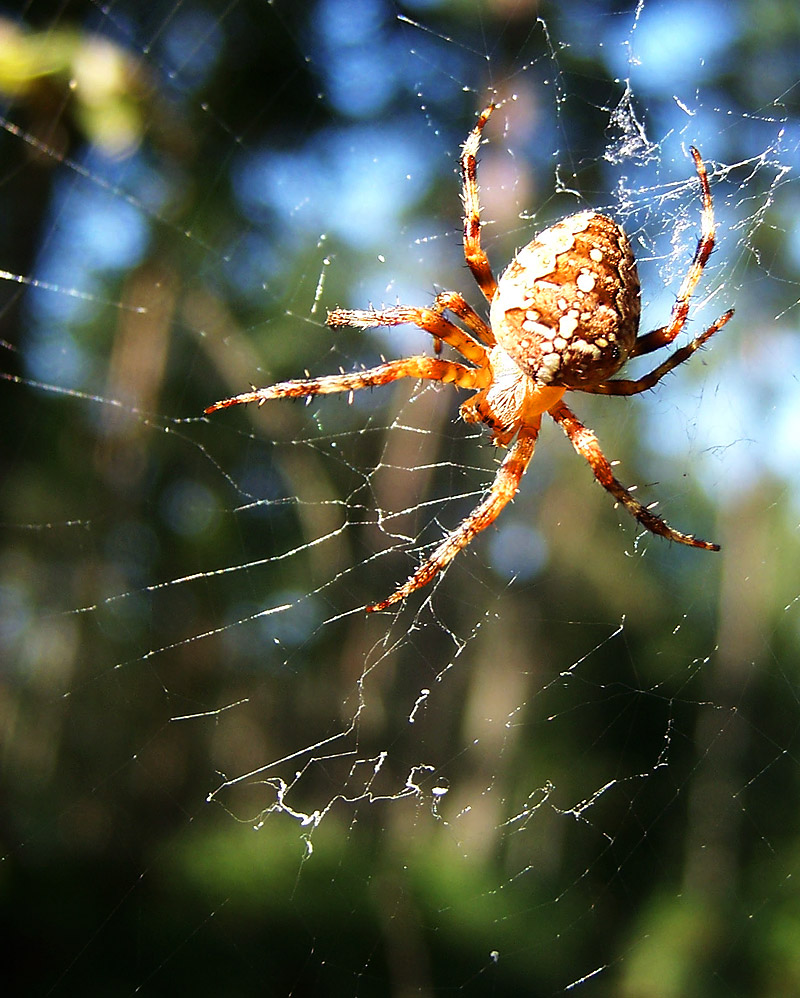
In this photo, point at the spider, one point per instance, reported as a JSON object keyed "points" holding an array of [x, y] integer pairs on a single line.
{"points": [[564, 316]]}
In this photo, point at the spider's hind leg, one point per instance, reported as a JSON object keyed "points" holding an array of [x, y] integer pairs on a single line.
{"points": [[429, 319], [475, 255], [452, 301], [664, 335], [624, 386]]}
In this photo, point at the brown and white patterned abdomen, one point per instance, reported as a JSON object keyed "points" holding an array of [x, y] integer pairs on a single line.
{"points": [[567, 307]]}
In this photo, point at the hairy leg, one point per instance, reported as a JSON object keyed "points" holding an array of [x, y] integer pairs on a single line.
{"points": [[503, 490], [429, 319], [411, 367], [452, 301], [587, 445], [621, 386], [705, 245], [476, 258]]}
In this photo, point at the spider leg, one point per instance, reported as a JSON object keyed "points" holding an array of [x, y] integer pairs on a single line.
{"points": [[621, 386], [586, 444], [503, 490], [705, 244], [476, 258], [452, 301], [431, 320], [410, 367]]}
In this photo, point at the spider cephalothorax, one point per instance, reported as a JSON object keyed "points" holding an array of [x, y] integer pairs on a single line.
{"points": [[564, 316]]}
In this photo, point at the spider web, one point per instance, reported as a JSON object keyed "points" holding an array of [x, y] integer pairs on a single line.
{"points": [[569, 763]]}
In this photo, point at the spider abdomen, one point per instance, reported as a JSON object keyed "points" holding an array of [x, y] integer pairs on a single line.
{"points": [[567, 307]]}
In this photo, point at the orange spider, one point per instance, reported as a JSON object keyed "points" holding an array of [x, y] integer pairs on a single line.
{"points": [[564, 316]]}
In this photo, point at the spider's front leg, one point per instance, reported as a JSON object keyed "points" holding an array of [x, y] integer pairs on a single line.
{"points": [[503, 490], [588, 446], [430, 368]]}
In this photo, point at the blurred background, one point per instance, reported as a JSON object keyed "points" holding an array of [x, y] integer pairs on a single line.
{"points": [[571, 762]]}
